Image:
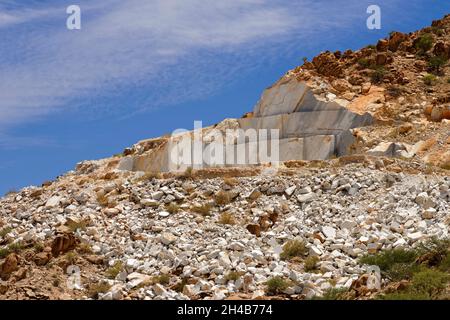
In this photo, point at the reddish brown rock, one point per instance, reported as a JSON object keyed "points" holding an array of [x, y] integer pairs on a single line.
{"points": [[441, 49], [94, 259], [254, 229], [63, 243], [20, 274], [42, 258], [341, 85], [4, 287], [381, 59], [395, 39], [382, 45], [9, 265], [327, 65]]}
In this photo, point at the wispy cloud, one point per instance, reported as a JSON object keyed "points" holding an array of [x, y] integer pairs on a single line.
{"points": [[174, 50], [9, 142]]}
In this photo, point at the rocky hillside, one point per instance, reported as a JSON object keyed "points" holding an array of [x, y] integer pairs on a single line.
{"points": [[378, 194]]}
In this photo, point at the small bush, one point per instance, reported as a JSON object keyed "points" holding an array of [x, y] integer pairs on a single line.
{"points": [[424, 43], [173, 208], [95, 289], [71, 257], [371, 46], [293, 248], [437, 31], [204, 209], [38, 247], [401, 271], [430, 79], [180, 285], [436, 63], [222, 198], [363, 62], [85, 248], [5, 231], [3, 252], [437, 248], [113, 271], [395, 91], [445, 264], [332, 294], [227, 218], [163, 279], [311, 263], [232, 276], [430, 282], [77, 225], [102, 200], [15, 247], [378, 75], [231, 181], [387, 259], [148, 176], [188, 173], [276, 285]]}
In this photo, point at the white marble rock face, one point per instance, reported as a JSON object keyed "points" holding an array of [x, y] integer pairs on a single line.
{"points": [[308, 129]]}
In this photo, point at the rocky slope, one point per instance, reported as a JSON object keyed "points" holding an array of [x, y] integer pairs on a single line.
{"points": [[109, 230]]}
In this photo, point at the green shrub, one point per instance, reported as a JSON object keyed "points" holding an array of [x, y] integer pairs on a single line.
{"points": [[311, 263], [227, 218], [437, 31], [363, 62], [276, 285], [15, 247], [436, 63], [113, 271], [96, 288], [180, 285], [445, 264], [4, 252], [378, 75], [437, 247], [222, 198], [204, 209], [163, 279], [424, 43], [173, 208], [332, 294], [5, 231], [430, 79], [77, 225], [293, 248], [430, 282], [232, 276], [401, 271], [392, 260]]}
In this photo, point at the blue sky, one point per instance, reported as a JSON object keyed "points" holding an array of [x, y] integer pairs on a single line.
{"points": [[139, 69]]}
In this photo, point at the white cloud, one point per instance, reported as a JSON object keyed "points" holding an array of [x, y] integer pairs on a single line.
{"points": [[176, 49]]}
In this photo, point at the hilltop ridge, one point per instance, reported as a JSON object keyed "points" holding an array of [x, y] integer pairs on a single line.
{"points": [[363, 180]]}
